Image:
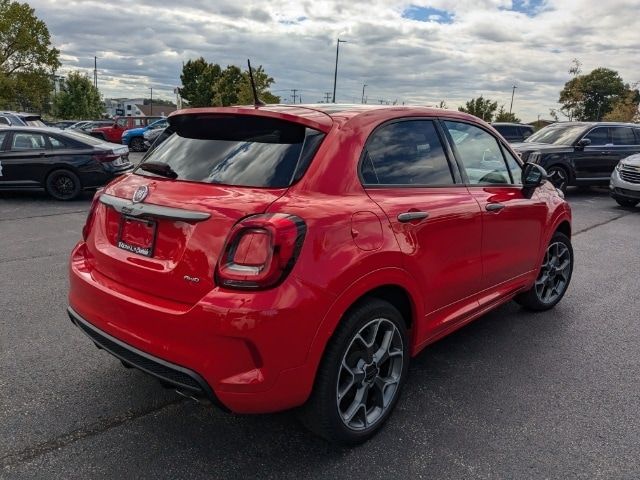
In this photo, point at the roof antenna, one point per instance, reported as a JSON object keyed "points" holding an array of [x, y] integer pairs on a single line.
{"points": [[256, 101]]}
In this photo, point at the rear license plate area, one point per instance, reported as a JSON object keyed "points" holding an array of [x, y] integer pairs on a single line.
{"points": [[137, 235]]}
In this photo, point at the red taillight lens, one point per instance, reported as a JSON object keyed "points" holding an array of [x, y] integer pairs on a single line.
{"points": [[260, 251], [92, 210]]}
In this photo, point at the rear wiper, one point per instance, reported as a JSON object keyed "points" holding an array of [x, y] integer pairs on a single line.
{"points": [[158, 168]]}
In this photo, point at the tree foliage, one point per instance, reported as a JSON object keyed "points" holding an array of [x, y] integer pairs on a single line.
{"points": [[626, 108], [481, 108], [504, 116], [78, 98], [207, 84], [596, 95], [27, 58]]}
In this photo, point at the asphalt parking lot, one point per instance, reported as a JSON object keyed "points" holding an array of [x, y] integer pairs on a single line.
{"points": [[513, 395]]}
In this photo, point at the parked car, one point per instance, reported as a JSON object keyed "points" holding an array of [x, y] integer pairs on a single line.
{"points": [[267, 258], [625, 181], [153, 138], [113, 133], [21, 119], [580, 153], [134, 138], [86, 127], [63, 163], [64, 124], [514, 132]]}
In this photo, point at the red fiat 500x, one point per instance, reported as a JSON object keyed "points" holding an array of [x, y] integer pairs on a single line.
{"points": [[277, 257]]}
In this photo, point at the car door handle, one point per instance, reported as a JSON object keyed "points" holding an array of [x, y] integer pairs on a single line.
{"points": [[494, 207], [412, 216]]}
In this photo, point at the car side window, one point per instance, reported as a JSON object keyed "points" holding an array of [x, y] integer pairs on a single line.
{"points": [[122, 122], [514, 166], [3, 135], [479, 153], [56, 144], [622, 136], [598, 136], [28, 141], [406, 153], [138, 122]]}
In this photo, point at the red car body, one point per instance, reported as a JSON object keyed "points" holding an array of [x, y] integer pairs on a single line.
{"points": [[259, 350], [113, 133]]}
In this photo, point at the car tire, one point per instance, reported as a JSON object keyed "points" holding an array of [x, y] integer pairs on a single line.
{"points": [[553, 278], [359, 380], [625, 202], [559, 177], [63, 185], [136, 144]]}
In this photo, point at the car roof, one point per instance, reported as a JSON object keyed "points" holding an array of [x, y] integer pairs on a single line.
{"points": [[19, 128], [322, 116], [594, 124]]}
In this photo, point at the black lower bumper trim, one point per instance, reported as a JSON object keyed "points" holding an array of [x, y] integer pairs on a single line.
{"points": [[168, 373], [625, 193]]}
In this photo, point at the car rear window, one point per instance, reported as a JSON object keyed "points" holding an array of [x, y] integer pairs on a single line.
{"points": [[237, 150], [84, 138]]}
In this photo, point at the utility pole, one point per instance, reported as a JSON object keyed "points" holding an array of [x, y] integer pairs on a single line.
{"points": [[335, 73], [151, 109], [512, 93], [327, 95], [364, 85], [294, 90], [95, 72]]}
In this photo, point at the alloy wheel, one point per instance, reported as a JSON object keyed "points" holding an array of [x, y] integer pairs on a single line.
{"points": [[369, 374], [558, 177], [63, 185], [554, 274]]}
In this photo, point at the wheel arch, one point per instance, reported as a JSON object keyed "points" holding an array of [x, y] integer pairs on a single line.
{"points": [[394, 285]]}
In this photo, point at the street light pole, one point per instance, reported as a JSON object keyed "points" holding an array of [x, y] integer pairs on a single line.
{"points": [[364, 85], [335, 73], [512, 93], [151, 102]]}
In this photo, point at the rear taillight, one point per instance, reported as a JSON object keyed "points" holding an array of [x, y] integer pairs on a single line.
{"points": [[92, 210], [105, 157], [260, 251]]}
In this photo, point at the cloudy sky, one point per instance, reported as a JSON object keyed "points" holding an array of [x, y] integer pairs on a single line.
{"points": [[413, 52]]}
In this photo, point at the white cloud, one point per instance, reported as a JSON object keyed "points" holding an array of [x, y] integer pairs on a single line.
{"points": [[486, 49]]}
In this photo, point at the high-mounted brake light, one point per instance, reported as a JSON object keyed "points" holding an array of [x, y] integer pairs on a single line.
{"points": [[92, 210], [260, 251]]}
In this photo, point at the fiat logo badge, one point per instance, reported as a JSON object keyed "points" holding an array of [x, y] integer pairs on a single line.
{"points": [[140, 194]]}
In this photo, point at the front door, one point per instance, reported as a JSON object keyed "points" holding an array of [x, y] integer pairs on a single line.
{"points": [[512, 220], [435, 220], [23, 159]]}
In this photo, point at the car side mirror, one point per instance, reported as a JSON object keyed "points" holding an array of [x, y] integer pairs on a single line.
{"points": [[583, 142], [533, 175]]}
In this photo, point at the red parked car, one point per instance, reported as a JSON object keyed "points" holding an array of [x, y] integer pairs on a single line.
{"points": [[278, 257], [113, 133]]}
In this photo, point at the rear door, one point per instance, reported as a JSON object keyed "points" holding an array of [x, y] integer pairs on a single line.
{"points": [[512, 220], [437, 224], [623, 143]]}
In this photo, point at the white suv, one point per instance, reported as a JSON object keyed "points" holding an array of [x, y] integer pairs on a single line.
{"points": [[625, 181]]}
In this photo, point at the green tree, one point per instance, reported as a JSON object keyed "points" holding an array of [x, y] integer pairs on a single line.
{"points": [[199, 79], [78, 98], [504, 116], [228, 86], [626, 107], [481, 108], [592, 96], [27, 59], [263, 83]]}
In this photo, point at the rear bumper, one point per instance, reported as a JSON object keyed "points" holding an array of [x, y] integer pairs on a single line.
{"points": [[248, 351], [168, 373]]}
